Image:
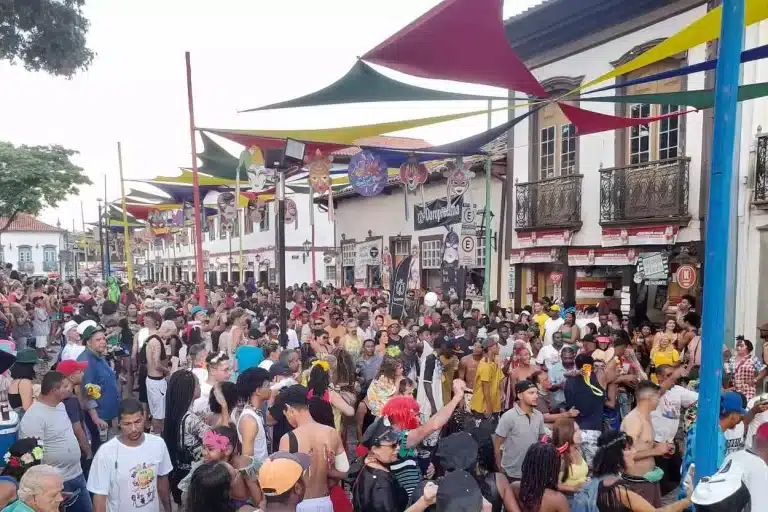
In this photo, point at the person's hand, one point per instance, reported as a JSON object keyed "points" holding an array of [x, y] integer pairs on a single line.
{"points": [[759, 407], [101, 424], [573, 412], [688, 481], [488, 412], [459, 386], [664, 449], [430, 493]]}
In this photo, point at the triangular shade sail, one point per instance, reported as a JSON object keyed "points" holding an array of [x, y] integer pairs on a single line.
{"points": [[700, 31], [256, 138], [587, 122], [144, 196], [363, 84], [187, 178], [217, 161], [460, 40], [699, 99], [180, 192]]}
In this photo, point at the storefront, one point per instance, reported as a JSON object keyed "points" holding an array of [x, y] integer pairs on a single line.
{"points": [[540, 272]]}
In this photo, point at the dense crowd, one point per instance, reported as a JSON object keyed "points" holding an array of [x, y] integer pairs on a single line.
{"points": [[120, 399]]}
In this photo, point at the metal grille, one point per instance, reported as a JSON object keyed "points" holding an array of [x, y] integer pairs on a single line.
{"points": [[348, 255], [650, 191], [555, 202], [431, 254], [761, 168]]}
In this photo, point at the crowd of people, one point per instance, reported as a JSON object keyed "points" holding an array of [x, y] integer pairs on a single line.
{"points": [[119, 399]]}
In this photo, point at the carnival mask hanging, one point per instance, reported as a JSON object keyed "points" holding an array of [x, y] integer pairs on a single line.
{"points": [[319, 167], [413, 174], [367, 174], [156, 219], [459, 177], [257, 210], [259, 177], [451, 248], [227, 210], [291, 214]]}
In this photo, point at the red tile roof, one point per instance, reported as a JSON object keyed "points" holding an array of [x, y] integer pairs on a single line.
{"points": [[26, 222], [384, 141]]}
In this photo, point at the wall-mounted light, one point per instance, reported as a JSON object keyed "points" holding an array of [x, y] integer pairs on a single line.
{"points": [[343, 236], [307, 246], [370, 233]]}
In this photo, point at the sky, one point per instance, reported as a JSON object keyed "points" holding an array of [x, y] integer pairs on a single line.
{"points": [[245, 53]]}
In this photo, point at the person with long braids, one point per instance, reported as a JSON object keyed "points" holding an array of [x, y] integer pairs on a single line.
{"points": [[615, 456], [537, 491], [183, 430], [325, 403]]}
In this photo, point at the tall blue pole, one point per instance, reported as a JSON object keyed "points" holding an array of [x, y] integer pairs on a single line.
{"points": [[719, 259]]}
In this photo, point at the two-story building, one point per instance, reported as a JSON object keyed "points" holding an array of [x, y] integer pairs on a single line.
{"points": [[30, 245]]}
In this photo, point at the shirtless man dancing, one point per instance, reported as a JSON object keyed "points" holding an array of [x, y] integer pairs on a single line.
{"points": [[156, 383], [638, 425], [322, 443], [468, 366]]}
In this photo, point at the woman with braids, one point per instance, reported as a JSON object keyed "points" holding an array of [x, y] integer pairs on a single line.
{"points": [[325, 403], [344, 382], [609, 488], [183, 430], [537, 491]]}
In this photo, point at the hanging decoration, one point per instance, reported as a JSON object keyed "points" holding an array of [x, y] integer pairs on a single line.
{"points": [[459, 177], [367, 174], [414, 278], [291, 213], [386, 268], [227, 210], [259, 177], [157, 221], [257, 210], [413, 175], [450, 265], [319, 167]]}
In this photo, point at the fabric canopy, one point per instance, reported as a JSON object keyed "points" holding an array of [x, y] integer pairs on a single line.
{"points": [[700, 31], [587, 122], [750, 55], [363, 84], [186, 178], [698, 99], [397, 157], [144, 196], [461, 40], [249, 138], [217, 161]]}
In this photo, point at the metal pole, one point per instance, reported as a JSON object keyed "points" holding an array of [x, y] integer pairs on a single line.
{"points": [[126, 234], [721, 215], [106, 231], [195, 187], [314, 274], [240, 230], [101, 246], [229, 235], [74, 247], [487, 280], [280, 252]]}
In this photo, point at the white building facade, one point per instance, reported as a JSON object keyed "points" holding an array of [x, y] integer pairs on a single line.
{"points": [[31, 246]]}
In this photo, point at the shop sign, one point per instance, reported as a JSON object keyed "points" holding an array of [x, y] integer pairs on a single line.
{"points": [[543, 255], [641, 235], [686, 276], [368, 253], [467, 254], [602, 257], [440, 212], [556, 277], [548, 238], [653, 268]]}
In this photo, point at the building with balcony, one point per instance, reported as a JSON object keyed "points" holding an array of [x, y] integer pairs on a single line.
{"points": [[31, 246], [620, 209]]}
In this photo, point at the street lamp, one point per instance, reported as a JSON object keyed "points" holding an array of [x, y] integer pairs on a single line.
{"points": [[101, 243], [307, 245]]}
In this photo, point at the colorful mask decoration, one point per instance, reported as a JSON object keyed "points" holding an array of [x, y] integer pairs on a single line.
{"points": [[227, 210], [319, 167], [386, 268], [459, 177], [291, 215], [257, 210], [413, 174], [259, 177], [368, 174], [157, 220]]}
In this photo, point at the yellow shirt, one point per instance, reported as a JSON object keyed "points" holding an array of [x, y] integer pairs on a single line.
{"points": [[540, 319], [577, 473], [659, 357], [487, 372]]}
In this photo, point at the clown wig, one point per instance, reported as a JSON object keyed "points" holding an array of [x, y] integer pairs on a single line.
{"points": [[402, 412]]}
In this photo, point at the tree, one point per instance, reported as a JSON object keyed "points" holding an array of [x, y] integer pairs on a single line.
{"points": [[45, 35], [35, 177]]}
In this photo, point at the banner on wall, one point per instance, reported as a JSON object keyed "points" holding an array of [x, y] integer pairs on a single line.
{"points": [[399, 288], [545, 238], [440, 212], [368, 253], [602, 257], [641, 235]]}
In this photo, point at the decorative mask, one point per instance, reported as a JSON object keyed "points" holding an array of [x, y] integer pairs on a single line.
{"points": [[319, 167], [257, 209], [413, 173], [156, 219], [226, 203], [367, 174], [290, 211], [451, 247], [459, 177]]}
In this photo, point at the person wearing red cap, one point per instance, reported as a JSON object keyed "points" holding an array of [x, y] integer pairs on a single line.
{"points": [[73, 371]]}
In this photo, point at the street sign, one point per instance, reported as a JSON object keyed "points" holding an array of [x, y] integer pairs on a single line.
{"points": [[686, 276], [467, 214], [467, 256], [556, 277]]}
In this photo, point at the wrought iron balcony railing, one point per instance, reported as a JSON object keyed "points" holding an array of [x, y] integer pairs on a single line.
{"points": [[550, 203], [761, 171], [50, 266], [647, 192]]}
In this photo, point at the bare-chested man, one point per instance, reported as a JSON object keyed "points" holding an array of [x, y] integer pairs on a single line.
{"points": [[525, 368], [638, 425], [156, 384], [322, 443], [468, 364]]}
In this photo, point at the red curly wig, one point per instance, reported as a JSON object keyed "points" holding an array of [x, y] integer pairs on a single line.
{"points": [[403, 412]]}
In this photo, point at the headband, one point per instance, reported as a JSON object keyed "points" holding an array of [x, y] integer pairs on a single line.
{"points": [[218, 357], [322, 364], [215, 440]]}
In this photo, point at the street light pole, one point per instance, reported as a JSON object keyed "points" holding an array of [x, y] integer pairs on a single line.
{"points": [[280, 253], [101, 245]]}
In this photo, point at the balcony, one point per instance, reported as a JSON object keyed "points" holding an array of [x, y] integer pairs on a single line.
{"points": [[50, 266], [645, 193], [26, 267], [549, 204], [761, 169]]}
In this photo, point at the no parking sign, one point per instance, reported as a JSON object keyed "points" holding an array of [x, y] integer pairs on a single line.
{"points": [[467, 256]]}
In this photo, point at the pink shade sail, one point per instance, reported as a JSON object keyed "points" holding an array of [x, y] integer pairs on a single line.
{"points": [[587, 122], [461, 40]]}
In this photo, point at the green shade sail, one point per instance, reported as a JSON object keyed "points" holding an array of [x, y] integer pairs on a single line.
{"points": [[217, 161], [699, 99], [363, 84]]}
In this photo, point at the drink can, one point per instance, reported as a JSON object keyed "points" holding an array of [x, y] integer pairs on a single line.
{"points": [[103, 434]]}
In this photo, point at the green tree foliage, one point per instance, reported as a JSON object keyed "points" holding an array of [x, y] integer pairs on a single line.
{"points": [[35, 177], [45, 35]]}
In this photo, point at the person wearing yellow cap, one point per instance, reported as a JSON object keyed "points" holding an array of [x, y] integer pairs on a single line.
{"points": [[280, 478], [552, 324]]}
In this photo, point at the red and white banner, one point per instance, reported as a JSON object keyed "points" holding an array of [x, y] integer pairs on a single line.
{"points": [[640, 235], [602, 257], [534, 256], [547, 238]]}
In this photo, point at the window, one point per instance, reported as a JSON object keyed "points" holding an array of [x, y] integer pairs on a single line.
{"points": [[211, 229], [25, 254], [272, 275], [547, 153], [639, 136], [330, 273], [480, 253], [348, 262], [264, 224], [401, 249], [248, 224], [49, 253], [567, 149], [431, 254], [669, 131]]}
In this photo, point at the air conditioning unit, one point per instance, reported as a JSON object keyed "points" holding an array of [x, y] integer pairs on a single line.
{"points": [[329, 260]]}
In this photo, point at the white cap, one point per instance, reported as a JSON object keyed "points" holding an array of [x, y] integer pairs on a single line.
{"points": [[82, 326], [69, 326], [725, 486]]}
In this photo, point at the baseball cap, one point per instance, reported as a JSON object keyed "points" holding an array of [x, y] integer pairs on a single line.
{"points": [[68, 366], [523, 386], [279, 369], [725, 490], [281, 471], [731, 401], [87, 329], [554, 307], [69, 326], [458, 492], [254, 333], [380, 431]]}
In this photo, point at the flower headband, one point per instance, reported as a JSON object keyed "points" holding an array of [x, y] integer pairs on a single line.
{"points": [[218, 357], [26, 459], [215, 440], [322, 364]]}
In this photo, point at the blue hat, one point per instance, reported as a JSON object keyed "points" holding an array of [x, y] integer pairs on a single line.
{"points": [[196, 310], [732, 401]]}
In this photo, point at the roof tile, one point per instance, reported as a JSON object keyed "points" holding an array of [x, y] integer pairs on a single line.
{"points": [[26, 222]]}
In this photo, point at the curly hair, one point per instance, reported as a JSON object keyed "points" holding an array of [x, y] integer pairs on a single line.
{"points": [[388, 367], [345, 368], [540, 467], [402, 411]]}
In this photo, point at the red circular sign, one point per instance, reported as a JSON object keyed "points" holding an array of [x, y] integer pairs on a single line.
{"points": [[686, 276], [556, 277]]}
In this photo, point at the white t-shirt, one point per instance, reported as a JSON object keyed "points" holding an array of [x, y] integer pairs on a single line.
{"points": [[666, 417], [759, 419], [734, 439], [548, 355], [581, 323], [71, 352], [201, 374], [128, 475], [551, 326], [260, 442], [200, 406], [293, 339], [266, 364], [754, 475]]}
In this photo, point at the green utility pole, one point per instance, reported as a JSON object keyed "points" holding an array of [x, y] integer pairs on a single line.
{"points": [[487, 283]]}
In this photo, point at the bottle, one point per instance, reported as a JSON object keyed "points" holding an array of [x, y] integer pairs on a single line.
{"points": [[103, 434], [5, 411]]}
